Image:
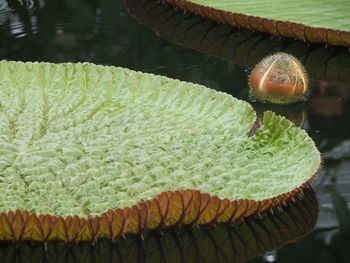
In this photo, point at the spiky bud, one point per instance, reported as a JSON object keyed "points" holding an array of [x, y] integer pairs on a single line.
{"points": [[279, 78]]}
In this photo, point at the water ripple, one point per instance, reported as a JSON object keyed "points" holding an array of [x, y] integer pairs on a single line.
{"points": [[11, 6]]}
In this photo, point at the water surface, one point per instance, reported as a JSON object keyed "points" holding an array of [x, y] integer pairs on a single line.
{"points": [[104, 32]]}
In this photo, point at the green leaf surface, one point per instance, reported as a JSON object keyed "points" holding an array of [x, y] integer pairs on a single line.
{"points": [[310, 20], [240, 46], [221, 244], [321, 13], [79, 139]]}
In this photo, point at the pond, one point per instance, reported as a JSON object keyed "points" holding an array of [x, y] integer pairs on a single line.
{"points": [[145, 36]]}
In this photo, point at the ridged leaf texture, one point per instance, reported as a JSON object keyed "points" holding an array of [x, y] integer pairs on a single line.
{"points": [[314, 21], [90, 151]]}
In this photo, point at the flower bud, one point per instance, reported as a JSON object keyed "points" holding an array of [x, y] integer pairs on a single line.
{"points": [[279, 78]]}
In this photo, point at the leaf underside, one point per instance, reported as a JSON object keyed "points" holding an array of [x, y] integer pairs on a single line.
{"points": [[240, 46], [313, 21], [90, 151], [223, 243]]}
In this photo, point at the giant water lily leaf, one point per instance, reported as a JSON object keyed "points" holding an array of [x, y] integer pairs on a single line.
{"points": [[90, 151], [240, 46], [221, 244], [314, 21]]}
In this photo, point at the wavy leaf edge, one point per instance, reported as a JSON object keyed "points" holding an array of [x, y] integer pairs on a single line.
{"points": [[275, 27], [196, 209], [168, 208]]}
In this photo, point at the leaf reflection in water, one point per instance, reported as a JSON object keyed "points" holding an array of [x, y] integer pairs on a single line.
{"points": [[221, 243], [240, 46]]}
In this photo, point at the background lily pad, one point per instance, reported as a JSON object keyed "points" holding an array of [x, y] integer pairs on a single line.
{"points": [[314, 21], [240, 46]]}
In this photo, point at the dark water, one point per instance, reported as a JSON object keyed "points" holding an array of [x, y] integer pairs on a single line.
{"points": [[145, 36]]}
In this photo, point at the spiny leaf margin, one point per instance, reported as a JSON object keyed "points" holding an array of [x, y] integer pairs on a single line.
{"points": [[261, 24], [242, 47], [166, 209], [214, 244], [171, 208]]}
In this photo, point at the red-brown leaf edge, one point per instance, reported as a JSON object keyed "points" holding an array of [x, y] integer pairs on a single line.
{"points": [[169, 208], [275, 27]]}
